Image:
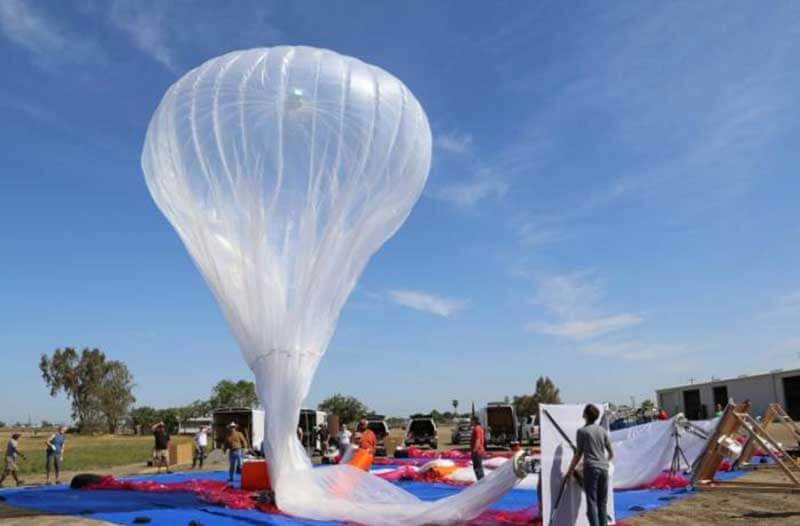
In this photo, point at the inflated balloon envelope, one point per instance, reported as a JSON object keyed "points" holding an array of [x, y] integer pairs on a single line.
{"points": [[283, 170]]}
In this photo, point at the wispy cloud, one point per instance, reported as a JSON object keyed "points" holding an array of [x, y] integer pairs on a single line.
{"points": [[535, 233], [144, 24], [570, 295], [586, 329], [575, 300], [14, 103], [468, 193], [634, 350], [787, 305], [175, 34], [426, 302], [453, 142], [49, 41], [686, 123]]}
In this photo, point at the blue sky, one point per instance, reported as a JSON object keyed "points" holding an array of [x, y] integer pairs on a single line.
{"points": [[612, 202]]}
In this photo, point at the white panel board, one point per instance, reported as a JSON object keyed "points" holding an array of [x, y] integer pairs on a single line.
{"points": [[556, 456]]}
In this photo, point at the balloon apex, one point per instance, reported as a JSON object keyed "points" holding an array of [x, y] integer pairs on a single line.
{"points": [[295, 99]]}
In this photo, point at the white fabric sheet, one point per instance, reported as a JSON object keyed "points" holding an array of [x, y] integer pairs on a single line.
{"points": [[556, 457], [643, 452]]}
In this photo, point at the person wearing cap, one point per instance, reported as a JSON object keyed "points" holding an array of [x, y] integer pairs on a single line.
{"points": [[12, 452], [235, 443], [161, 448], [368, 439], [200, 444]]}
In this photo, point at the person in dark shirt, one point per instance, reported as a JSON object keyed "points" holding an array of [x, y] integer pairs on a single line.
{"points": [[161, 448], [477, 446], [592, 444]]}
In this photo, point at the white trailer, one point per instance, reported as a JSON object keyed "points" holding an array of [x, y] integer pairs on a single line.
{"points": [[310, 421], [249, 421], [499, 421]]}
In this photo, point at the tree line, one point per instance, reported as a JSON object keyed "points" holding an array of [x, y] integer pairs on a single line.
{"points": [[226, 393], [350, 409], [101, 396]]}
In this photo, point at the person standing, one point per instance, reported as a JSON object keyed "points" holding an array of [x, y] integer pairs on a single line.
{"points": [[324, 438], [161, 447], [592, 444], [12, 452], [477, 447], [235, 442], [344, 439], [55, 453], [200, 444], [368, 439]]}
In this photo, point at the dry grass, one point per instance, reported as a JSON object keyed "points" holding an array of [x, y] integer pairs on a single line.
{"points": [[84, 453], [717, 508]]}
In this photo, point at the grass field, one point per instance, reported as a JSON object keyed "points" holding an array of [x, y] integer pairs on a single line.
{"points": [[87, 453], [84, 452]]}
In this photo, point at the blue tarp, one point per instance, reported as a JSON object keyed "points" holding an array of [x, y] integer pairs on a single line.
{"points": [[124, 507]]}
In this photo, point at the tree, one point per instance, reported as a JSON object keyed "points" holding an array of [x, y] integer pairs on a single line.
{"points": [[45, 424], [170, 419], [546, 392], [348, 408], [648, 406], [2, 424], [143, 418], [228, 393], [196, 409], [99, 389], [455, 407]]}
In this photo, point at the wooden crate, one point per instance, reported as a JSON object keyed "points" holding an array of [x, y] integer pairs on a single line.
{"points": [[180, 454], [391, 443]]}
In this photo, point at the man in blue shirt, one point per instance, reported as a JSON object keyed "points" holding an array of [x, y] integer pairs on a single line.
{"points": [[55, 453]]}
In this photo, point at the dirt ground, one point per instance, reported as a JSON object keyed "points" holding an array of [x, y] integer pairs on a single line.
{"points": [[723, 507]]}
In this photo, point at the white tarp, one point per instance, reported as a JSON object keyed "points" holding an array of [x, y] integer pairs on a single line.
{"points": [[643, 452], [556, 456]]}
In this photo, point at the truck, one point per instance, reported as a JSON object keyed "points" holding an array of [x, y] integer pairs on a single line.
{"points": [[249, 421], [462, 431], [421, 431], [311, 421], [499, 421]]}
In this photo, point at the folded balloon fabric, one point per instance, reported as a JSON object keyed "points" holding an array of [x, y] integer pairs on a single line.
{"points": [[219, 493]]}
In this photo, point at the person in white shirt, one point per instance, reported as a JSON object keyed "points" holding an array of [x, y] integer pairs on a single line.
{"points": [[200, 444], [344, 439]]}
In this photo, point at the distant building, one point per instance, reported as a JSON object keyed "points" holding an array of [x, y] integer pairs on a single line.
{"points": [[190, 426], [698, 401]]}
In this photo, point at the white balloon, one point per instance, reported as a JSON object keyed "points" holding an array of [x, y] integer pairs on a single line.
{"points": [[284, 170]]}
